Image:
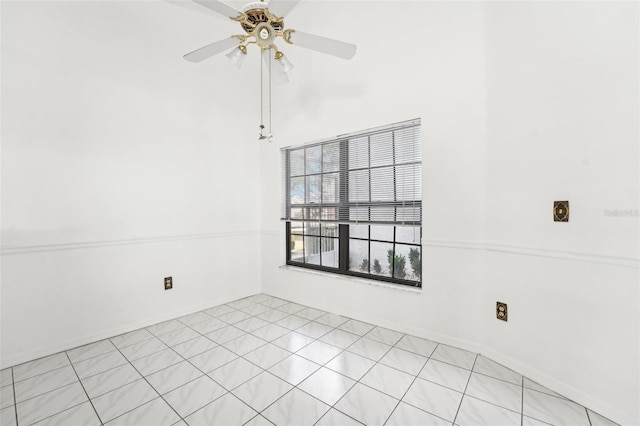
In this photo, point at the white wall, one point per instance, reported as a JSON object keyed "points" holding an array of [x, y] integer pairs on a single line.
{"points": [[119, 167], [117, 156], [563, 124], [522, 104], [386, 82]]}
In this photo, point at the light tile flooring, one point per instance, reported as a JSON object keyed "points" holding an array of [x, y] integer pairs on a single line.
{"points": [[263, 360]]}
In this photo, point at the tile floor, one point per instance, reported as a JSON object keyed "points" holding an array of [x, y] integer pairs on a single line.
{"points": [[262, 361]]}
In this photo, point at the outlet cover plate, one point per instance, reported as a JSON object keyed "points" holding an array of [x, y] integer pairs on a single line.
{"points": [[168, 283], [561, 211], [501, 311]]}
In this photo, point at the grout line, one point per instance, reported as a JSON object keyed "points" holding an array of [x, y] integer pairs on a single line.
{"points": [[15, 399], [92, 356], [464, 393], [494, 377], [83, 388], [134, 343], [376, 362], [149, 354], [142, 405], [495, 405], [45, 392], [522, 402], [151, 386], [61, 386], [485, 400], [342, 350], [207, 374], [403, 395], [415, 378], [464, 368], [60, 412], [355, 381], [331, 407], [249, 303], [292, 353], [258, 415], [277, 399], [588, 416], [188, 361], [117, 387], [39, 374]]}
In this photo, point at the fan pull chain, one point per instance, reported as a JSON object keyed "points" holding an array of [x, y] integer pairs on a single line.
{"points": [[261, 136], [270, 130], [262, 126]]}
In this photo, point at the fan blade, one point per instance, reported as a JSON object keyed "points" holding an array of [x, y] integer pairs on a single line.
{"points": [[221, 8], [277, 76], [211, 49], [189, 4], [322, 44], [281, 8]]}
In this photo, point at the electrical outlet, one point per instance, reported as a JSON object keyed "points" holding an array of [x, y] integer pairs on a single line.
{"points": [[501, 311], [168, 283]]}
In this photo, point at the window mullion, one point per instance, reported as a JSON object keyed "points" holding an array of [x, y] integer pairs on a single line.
{"points": [[288, 242], [368, 163], [304, 242], [343, 211], [369, 247], [343, 248], [287, 189], [369, 173], [395, 181]]}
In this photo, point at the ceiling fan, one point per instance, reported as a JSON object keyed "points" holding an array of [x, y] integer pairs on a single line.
{"points": [[263, 23]]}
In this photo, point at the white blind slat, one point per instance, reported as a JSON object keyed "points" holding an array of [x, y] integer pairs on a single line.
{"points": [[369, 177]]}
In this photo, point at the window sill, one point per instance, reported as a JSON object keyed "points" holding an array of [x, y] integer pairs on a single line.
{"points": [[398, 287]]}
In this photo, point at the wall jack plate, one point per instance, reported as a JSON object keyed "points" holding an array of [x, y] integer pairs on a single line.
{"points": [[168, 283], [501, 311], [561, 211]]}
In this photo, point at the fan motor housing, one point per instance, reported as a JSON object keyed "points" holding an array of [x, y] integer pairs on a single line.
{"points": [[257, 13], [264, 35]]}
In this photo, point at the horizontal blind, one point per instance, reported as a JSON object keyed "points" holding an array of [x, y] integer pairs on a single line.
{"points": [[369, 177]]}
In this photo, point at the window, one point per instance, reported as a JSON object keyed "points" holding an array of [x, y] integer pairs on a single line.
{"points": [[353, 204]]}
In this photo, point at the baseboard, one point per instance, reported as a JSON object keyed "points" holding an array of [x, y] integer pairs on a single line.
{"points": [[115, 331], [570, 392], [574, 394], [403, 328]]}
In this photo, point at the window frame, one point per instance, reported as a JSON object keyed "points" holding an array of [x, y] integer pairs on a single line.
{"points": [[343, 239], [343, 256]]}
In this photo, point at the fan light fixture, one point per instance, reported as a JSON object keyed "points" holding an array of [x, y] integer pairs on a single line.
{"points": [[237, 55], [285, 63], [263, 25]]}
